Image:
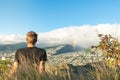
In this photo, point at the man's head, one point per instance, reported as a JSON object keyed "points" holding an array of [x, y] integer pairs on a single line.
{"points": [[31, 37]]}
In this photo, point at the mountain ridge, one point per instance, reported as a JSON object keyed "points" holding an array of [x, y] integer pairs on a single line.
{"points": [[54, 49]]}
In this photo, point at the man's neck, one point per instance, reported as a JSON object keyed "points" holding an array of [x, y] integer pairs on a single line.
{"points": [[30, 45]]}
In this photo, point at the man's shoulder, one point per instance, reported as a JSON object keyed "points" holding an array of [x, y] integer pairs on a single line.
{"points": [[29, 49], [41, 49], [21, 49]]}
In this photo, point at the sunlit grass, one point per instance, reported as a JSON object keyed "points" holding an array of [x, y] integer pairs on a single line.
{"points": [[90, 71]]}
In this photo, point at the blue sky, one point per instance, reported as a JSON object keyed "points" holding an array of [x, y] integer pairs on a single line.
{"points": [[21, 16]]}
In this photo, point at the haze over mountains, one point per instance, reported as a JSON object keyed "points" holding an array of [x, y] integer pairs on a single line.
{"points": [[82, 36]]}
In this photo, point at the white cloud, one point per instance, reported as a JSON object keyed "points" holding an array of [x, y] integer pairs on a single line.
{"points": [[84, 36], [12, 38]]}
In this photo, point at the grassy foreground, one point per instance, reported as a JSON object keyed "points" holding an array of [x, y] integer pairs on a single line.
{"points": [[90, 71]]}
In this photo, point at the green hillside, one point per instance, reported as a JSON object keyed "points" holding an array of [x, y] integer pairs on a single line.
{"points": [[11, 47], [58, 49]]}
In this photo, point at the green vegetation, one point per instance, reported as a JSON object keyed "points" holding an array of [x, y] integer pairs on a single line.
{"points": [[111, 50], [90, 71]]}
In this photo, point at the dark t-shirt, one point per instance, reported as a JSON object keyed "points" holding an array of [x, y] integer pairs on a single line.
{"points": [[30, 56]]}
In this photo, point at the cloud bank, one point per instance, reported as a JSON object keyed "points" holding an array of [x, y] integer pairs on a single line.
{"points": [[11, 39], [83, 36]]}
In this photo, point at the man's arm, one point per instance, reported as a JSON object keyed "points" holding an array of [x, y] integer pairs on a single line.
{"points": [[42, 62], [14, 68], [42, 66]]}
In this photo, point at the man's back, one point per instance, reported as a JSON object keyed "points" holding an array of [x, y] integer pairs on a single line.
{"points": [[30, 56]]}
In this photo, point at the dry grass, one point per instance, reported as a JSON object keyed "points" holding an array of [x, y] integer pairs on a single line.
{"points": [[91, 71]]}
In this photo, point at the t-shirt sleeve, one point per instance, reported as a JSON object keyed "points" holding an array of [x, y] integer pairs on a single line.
{"points": [[17, 56], [44, 56]]}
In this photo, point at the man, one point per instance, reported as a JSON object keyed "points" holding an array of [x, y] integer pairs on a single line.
{"points": [[30, 57]]}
